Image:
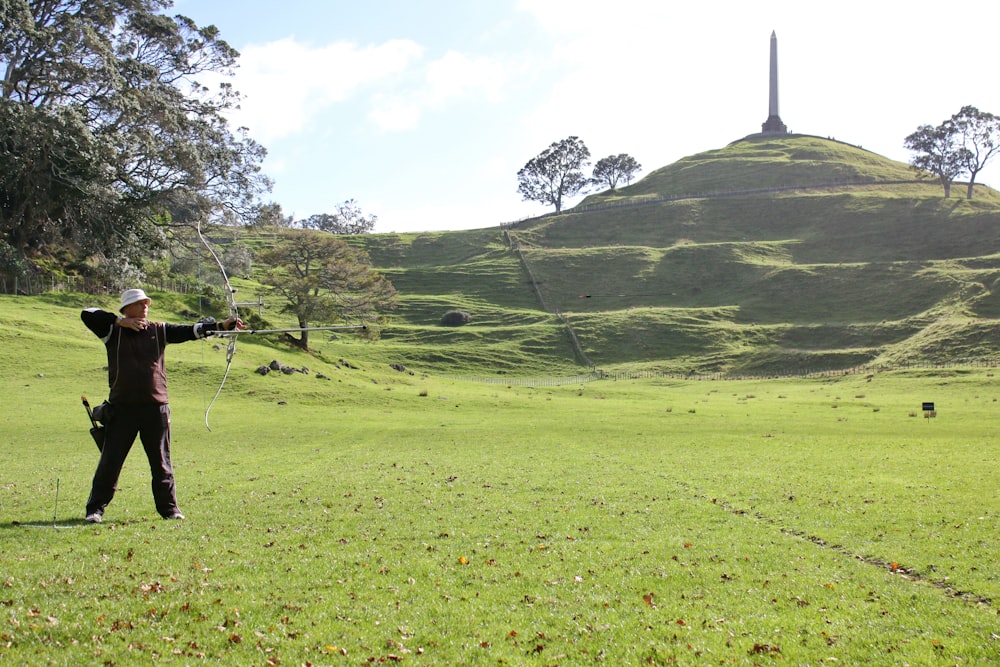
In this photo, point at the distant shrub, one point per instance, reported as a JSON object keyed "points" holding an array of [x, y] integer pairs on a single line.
{"points": [[455, 318]]}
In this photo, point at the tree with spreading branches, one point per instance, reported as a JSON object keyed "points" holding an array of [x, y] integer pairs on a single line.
{"points": [[323, 279], [555, 173], [938, 152], [348, 219], [962, 144], [107, 133], [611, 170], [979, 135]]}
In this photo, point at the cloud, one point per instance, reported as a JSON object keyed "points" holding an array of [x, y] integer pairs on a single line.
{"points": [[395, 113], [286, 83], [454, 76]]}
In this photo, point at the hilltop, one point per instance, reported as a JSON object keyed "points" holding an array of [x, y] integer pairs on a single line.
{"points": [[769, 254]]}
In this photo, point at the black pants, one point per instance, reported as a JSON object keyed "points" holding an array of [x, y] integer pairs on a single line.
{"points": [[151, 422]]}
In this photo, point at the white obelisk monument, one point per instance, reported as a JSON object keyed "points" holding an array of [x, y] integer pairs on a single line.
{"points": [[773, 124]]}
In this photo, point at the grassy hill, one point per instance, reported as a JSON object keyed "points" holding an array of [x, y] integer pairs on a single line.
{"points": [[767, 255], [763, 162]]}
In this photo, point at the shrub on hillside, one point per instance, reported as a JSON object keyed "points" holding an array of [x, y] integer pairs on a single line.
{"points": [[455, 318]]}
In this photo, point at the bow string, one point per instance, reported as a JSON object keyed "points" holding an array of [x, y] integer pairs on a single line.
{"points": [[233, 310]]}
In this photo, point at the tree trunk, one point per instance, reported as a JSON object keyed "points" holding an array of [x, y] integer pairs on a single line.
{"points": [[301, 343]]}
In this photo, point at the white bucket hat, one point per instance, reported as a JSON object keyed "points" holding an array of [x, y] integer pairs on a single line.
{"points": [[131, 296]]}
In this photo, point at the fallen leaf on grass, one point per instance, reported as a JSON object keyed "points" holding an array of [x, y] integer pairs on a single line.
{"points": [[764, 649]]}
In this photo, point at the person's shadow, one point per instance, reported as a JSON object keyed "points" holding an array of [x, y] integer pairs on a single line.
{"points": [[56, 523]]}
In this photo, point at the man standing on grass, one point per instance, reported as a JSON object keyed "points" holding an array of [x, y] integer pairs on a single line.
{"points": [[137, 404]]}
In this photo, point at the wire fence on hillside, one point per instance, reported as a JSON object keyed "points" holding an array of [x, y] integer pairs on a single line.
{"points": [[63, 285], [774, 374], [51, 284], [650, 200], [511, 381]]}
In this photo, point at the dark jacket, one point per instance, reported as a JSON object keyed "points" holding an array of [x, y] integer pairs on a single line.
{"points": [[136, 373]]}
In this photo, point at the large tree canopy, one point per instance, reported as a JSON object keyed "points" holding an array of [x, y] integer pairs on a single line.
{"points": [[555, 173], [322, 279], [106, 132]]}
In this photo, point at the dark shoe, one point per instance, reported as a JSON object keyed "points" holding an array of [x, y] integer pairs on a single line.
{"points": [[176, 516], [93, 517]]}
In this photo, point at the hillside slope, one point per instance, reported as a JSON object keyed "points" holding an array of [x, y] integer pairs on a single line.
{"points": [[776, 254]]}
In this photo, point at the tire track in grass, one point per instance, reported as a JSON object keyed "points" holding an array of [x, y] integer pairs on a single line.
{"points": [[906, 573]]}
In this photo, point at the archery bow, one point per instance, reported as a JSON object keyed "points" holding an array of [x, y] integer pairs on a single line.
{"points": [[235, 333], [233, 311], [240, 332]]}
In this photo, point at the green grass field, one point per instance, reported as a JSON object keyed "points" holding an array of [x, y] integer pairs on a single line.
{"points": [[381, 516]]}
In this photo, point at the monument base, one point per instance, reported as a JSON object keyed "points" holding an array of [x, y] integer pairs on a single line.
{"points": [[773, 125]]}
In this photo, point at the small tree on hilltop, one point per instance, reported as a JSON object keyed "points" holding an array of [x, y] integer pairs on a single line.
{"points": [[614, 168], [271, 215], [938, 152], [979, 134], [555, 173], [349, 219]]}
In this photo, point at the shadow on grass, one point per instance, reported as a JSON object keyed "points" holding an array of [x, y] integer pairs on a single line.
{"points": [[58, 524]]}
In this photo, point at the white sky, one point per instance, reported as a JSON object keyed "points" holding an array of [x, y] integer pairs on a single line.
{"points": [[424, 110]]}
